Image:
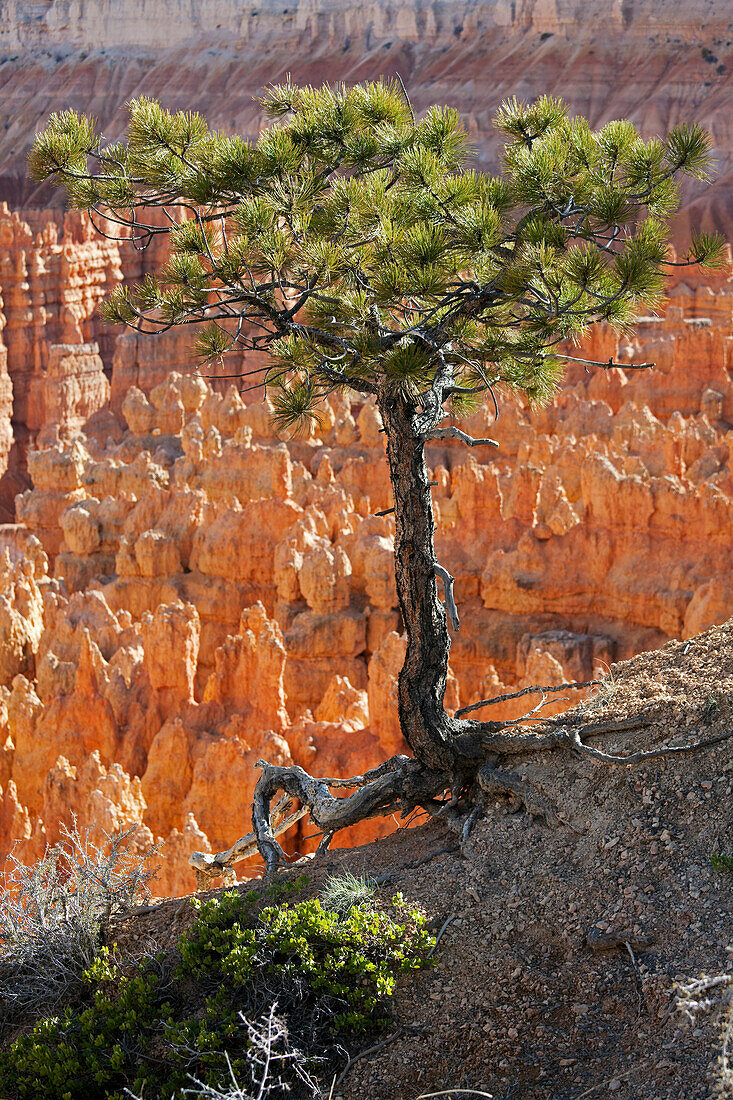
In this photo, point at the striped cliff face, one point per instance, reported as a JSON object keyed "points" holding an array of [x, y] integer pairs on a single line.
{"points": [[651, 62]]}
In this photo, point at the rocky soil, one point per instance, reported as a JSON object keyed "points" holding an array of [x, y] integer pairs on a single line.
{"points": [[556, 972]]}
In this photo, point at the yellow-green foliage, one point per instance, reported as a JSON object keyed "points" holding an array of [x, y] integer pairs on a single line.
{"points": [[151, 1032], [94, 1052], [364, 248], [353, 957]]}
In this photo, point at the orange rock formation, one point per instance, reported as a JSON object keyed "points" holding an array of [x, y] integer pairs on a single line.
{"points": [[184, 593]]}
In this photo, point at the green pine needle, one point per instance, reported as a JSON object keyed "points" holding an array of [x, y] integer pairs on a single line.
{"points": [[355, 244]]}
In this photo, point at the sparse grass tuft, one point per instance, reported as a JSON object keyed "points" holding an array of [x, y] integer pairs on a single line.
{"points": [[344, 891]]}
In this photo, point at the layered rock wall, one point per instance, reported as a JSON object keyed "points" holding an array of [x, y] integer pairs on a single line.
{"points": [[654, 63]]}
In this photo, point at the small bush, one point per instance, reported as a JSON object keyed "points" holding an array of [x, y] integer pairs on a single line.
{"points": [[258, 1002], [352, 958], [52, 914], [89, 1053], [722, 863]]}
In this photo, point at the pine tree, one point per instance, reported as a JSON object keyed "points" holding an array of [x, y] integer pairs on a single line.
{"points": [[357, 246]]}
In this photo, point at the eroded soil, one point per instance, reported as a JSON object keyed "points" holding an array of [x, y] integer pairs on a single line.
{"points": [[555, 976]]}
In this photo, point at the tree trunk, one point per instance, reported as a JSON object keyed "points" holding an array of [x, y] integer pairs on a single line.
{"points": [[422, 681]]}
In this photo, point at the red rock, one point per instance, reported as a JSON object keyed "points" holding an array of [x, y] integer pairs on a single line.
{"points": [[142, 677]]}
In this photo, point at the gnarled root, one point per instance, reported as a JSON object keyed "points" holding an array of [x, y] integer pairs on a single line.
{"points": [[399, 784], [210, 868], [402, 784], [492, 780]]}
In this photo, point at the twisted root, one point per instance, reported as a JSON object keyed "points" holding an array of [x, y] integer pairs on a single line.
{"points": [[402, 784]]}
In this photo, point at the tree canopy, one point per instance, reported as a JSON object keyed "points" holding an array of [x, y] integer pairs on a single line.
{"points": [[357, 245]]}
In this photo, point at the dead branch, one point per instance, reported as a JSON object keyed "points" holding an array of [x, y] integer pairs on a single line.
{"points": [[399, 782], [607, 365], [450, 603], [209, 867], [603, 1085], [370, 1050], [525, 691], [701, 995], [455, 433]]}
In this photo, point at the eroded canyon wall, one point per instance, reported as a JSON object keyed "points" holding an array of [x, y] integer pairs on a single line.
{"points": [[654, 63], [183, 592]]}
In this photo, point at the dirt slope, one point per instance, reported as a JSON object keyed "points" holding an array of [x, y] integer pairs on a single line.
{"points": [[536, 995]]}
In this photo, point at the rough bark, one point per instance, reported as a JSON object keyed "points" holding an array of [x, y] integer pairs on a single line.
{"points": [[428, 730]]}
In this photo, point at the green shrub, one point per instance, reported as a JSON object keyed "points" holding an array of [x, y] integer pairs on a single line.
{"points": [[721, 862], [89, 1053], [353, 958], [327, 973]]}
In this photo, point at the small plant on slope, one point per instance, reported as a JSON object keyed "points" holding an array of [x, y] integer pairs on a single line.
{"points": [[52, 915], [721, 862], [261, 998], [343, 891]]}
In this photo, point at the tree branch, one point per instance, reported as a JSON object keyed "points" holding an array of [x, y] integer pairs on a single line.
{"points": [[605, 365], [208, 866], [455, 433], [524, 691], [450, 603]]}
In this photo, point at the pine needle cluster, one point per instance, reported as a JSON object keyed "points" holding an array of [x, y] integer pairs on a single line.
{"points": [[361, 248]]}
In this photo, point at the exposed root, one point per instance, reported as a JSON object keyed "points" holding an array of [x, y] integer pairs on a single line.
{"points": [[471, 819], [492, 780], [398, 784], [576, 745], [402, 784], [209, 867]]}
